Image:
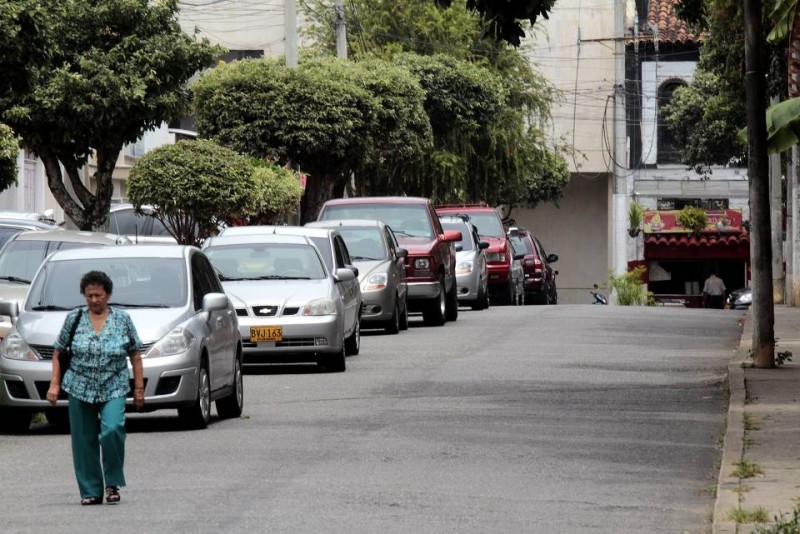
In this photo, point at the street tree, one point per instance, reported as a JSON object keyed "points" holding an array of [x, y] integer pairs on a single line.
{"points": [[328, 117], [486, 161], [87, 77], [276, 195], [9, 149], [194, 187], [502, 18]]}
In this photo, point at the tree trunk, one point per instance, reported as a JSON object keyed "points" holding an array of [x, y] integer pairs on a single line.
{"points": [[319, 188], [763, 344]]}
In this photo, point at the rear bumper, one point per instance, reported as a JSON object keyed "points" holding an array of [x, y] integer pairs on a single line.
{"points": [[499, 274]]}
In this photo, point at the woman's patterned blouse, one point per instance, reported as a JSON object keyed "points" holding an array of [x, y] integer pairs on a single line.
{"points": [[99, 368]]}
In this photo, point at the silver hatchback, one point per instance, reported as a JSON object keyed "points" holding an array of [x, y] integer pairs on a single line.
{"points": [[288, 303], [192, 352]]}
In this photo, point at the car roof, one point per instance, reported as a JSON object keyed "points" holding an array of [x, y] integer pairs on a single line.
{"points": [[377, 200], [28, 224], [336, 223], [25, 216], [241, 239], [464, 209], [72, 236], [132, 252], [277, 230]]}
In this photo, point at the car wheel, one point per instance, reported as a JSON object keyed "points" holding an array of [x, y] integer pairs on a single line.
{"points": [[334, 363], [352, 345], [57, 417], [232, 405], [508, 293], [434, 313], [393, 325], [452, 303], [404, 317], [199, 414], [480, 302], [14, 421]]}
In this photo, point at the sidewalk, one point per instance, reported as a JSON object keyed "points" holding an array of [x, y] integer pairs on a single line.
{"points": [[763, 429]]}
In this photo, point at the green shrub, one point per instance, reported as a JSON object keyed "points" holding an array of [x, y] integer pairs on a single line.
{"points": [[629, 288], [693, 219]]}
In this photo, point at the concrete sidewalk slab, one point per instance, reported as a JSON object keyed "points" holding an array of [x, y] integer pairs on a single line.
{"points": [[768, 401]]}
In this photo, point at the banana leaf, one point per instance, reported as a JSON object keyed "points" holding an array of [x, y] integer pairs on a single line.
{"points": [[782, 16], [783, 126]]}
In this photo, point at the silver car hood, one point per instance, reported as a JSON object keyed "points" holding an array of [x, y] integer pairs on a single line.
{"points": [[42, 327], [366, 268], [276, 292]]}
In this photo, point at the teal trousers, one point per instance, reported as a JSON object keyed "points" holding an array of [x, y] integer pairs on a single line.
{"points": [[98, 431]]}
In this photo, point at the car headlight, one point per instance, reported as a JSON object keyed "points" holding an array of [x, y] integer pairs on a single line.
{"points": [[496, 256], [423, 264], [176, 341], [323, 306], [746, 298], [464, 267], [375, 282], [14, 347]]}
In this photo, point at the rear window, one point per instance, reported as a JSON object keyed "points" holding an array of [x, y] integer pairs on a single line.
{"points": [[363, 244], [488, 223], [406, 220], [8, 233], [522, 245]]}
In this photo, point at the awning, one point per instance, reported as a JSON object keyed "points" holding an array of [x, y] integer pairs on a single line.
{"points": [[706, 246]]}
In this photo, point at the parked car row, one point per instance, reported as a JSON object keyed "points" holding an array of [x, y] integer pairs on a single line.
{"points": [[256, 295]]}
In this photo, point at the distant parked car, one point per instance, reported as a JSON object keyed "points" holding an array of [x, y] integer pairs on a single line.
{"points": [[288, 303], [334, 253], [139, 227], [24, 252], [472, 274], [11, 227], [740, 299], [431, 261], [540, 277], [44, 218], [191, 346], [379, 258]]}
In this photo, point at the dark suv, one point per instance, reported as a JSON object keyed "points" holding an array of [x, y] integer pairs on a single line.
{"points": [[498, 255], [431, 260], [540, 277]]}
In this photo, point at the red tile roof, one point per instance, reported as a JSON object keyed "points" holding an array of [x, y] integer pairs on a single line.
{"points": [[697, 241], [671, 29]]}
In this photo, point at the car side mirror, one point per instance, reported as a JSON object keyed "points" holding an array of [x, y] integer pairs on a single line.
{"points": [[215, 302], [483, 245], [555, 272], [513, 231], [459, 247], [344, 275], [400, 253], [354, 269], [452, 236], [552, 258], [10, 308]]}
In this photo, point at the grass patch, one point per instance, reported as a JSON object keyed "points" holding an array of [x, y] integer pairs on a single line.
{"points": [[740, 515], [746, 469], [747, 442], [784, 524], [750, 424]]}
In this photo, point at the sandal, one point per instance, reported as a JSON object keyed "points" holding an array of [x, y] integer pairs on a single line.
{"points": [[91, 500], [112, 494]]}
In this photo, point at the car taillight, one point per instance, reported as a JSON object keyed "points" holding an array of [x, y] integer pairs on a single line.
{"points": [[537, 267]]}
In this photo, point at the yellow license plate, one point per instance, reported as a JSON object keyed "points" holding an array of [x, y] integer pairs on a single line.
{"points": [[266, 333]]}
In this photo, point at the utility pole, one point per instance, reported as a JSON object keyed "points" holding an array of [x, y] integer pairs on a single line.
{"points": [[793, 230], [341, 30], [758, 173], [620, 190], [776, 222], [290, 28]]}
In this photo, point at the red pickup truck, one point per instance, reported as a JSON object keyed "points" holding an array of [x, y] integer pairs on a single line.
{"points": [[431, 261], [498, 255]]}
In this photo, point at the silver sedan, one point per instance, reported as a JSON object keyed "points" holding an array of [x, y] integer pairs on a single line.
{"points": [[374, 251], [287, 302], [471, 271]]}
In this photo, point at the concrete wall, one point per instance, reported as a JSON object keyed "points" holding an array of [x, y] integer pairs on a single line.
{"points": [[578, 232]]}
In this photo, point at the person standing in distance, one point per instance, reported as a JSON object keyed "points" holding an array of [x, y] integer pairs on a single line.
{"points": [[714, 291], [97, 382]]}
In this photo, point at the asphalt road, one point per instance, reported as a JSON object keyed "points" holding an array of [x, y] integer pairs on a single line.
{"points": [[534, 419]]}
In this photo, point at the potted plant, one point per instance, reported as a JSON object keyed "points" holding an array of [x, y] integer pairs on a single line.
{"points": [[635, 218], [693, 219]]}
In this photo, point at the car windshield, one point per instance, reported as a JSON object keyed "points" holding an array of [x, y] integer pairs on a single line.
{"points": [[7, 232], [20, 258], [363, 243], [407, 220], [488, 223], [266, 261], [138, 283], [521, 245], [466, 235]]}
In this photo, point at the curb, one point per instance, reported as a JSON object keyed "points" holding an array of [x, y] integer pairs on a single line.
{"points": [[733, 445]]}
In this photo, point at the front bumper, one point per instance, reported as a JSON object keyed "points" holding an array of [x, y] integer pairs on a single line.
{"points": [[304, 337], [423, 290], [468, 286], [378, 306], [170, 382]]}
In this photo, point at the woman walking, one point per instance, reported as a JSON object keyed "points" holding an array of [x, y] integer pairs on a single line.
{"points": [[97, 381]]}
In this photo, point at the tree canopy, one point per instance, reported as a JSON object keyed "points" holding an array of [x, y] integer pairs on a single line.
{"points": [[194, 187], [9, 149], [87, 78], [501, 18]]}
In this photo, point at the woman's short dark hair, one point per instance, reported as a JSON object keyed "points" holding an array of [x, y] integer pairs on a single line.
{"points": [[96, 278]]}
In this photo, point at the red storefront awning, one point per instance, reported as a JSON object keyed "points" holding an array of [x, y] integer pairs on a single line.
{"points": [[705, 246]]}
